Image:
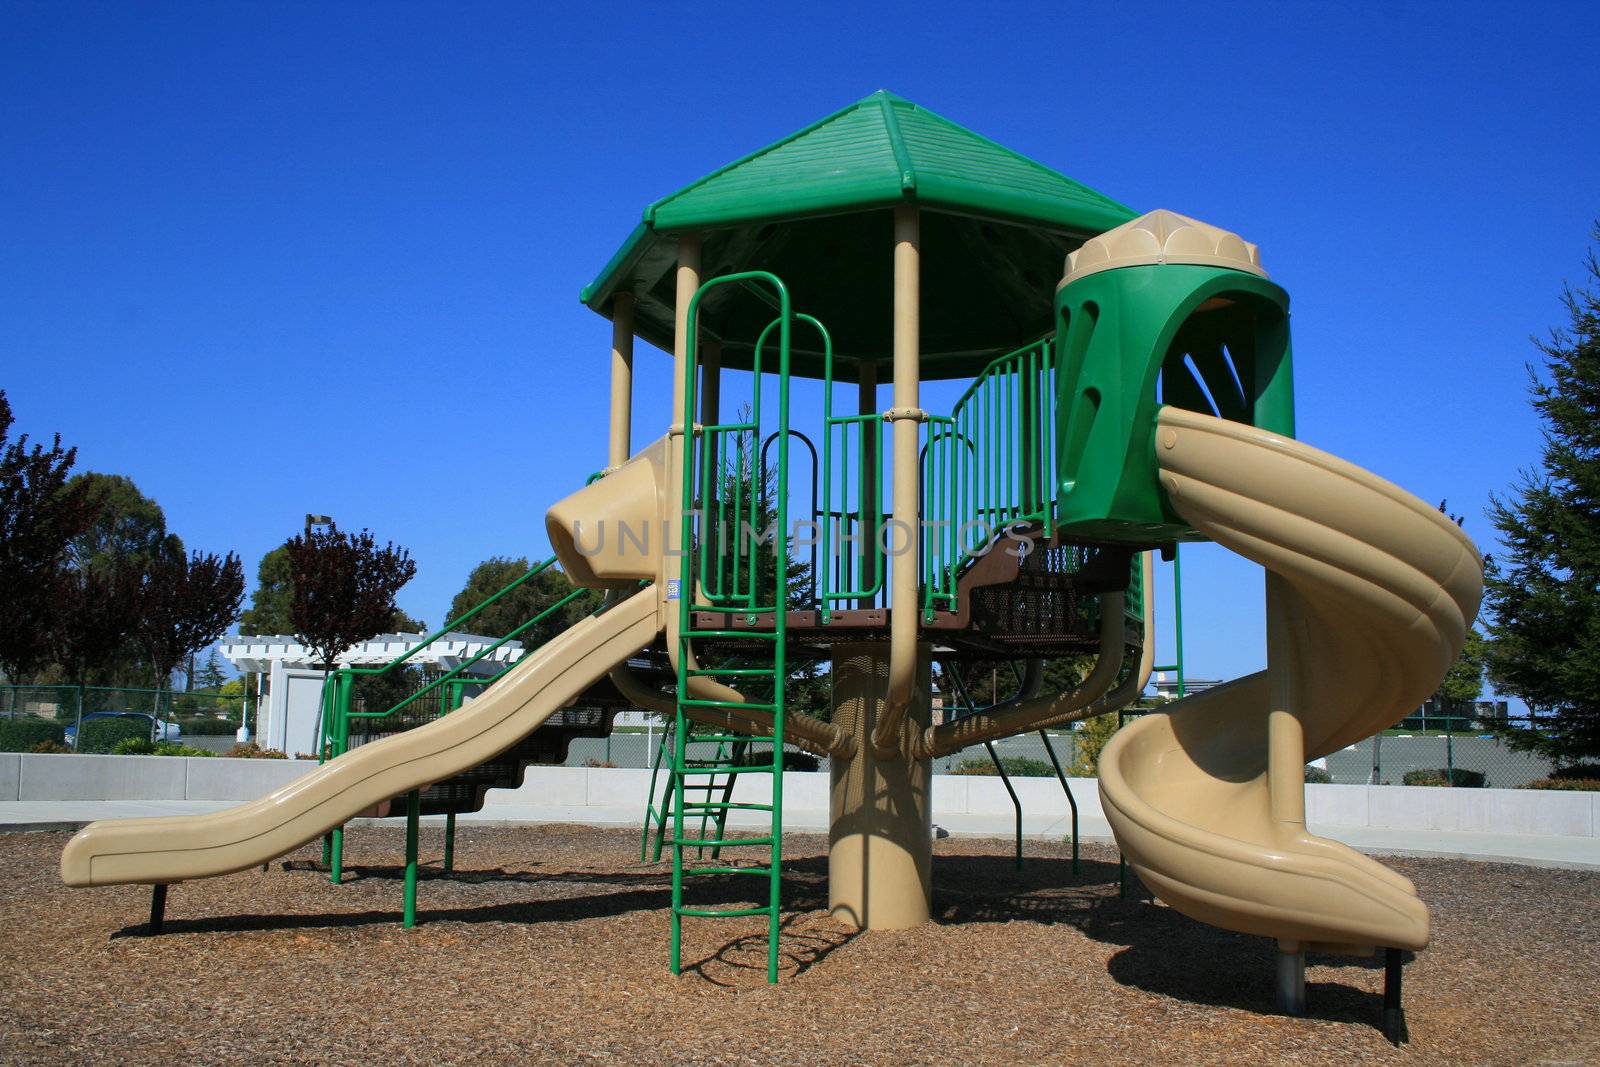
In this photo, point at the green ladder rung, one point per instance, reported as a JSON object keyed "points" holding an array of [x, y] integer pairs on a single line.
{"points": [[723, 913], [725, 705], [731, 737], [728, 768], [732, 672], [722, 805], [727, 870], [719, 842]]}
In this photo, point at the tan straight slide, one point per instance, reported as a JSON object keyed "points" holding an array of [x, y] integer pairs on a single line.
{"points": [[1369, 595], [172, 849]]}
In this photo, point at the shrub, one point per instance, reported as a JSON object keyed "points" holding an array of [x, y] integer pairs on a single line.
{"points": [[1317, 776], [598, 763], [1580, 785], [1461, 779], [1578, 770], [208, 727], [21, 734], [801, 761], [50, 748], [134, 746], [102, 735], [251, 750], [1016, 767]]}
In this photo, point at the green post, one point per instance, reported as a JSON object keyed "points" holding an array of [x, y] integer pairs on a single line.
{"points": [[450, 842], [336, 855], [413, 814]]}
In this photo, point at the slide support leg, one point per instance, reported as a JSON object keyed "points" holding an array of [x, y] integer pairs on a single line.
{"points": [[1291, 984], [1394, 1016], [158, 908], [336, 855], [413, 814], [450, 842]]}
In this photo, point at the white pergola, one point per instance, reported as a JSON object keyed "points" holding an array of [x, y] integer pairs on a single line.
{"points": [[257, 654], [289, 677]]}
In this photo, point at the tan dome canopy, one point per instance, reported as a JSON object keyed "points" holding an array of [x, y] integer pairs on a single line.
{"points": [[1163, 236]]}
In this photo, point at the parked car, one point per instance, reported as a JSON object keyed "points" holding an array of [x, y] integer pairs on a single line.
{"points": [[159, 729]]}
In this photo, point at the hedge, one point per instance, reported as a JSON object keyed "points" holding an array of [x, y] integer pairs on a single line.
{"points": [[22, 734], [102, 735], [1016, 767], [1461, 779]]}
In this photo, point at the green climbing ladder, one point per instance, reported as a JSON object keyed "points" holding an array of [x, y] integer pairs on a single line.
{"points": [[729, 488]]}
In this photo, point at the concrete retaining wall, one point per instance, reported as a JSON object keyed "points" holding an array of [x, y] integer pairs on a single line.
{"points": [[31, 776]]}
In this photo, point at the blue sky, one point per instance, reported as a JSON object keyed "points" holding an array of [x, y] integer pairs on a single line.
{"points": [[271, 259]]}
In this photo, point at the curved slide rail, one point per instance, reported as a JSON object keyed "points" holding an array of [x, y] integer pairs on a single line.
{"points": [[177, 848], [1369, 595]]}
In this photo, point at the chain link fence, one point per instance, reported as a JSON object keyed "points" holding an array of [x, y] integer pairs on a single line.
{"points": [[49, 717]]}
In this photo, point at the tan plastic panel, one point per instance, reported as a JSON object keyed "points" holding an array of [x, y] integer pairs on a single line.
{"points": [[1163, 236], [1370, 592], [176, 848], [613, 532]]}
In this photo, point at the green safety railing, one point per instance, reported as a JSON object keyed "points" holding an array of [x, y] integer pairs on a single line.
{"points": [[731, 578], [852, 511], [988, 464], [338, 691]]}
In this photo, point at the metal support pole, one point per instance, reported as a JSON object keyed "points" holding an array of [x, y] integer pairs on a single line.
{"points": [[1016, 804], [158, 908], [413, 814], [450, 842], [1394, 1016], [1291, 981], [336, 855], [1066, 787]]}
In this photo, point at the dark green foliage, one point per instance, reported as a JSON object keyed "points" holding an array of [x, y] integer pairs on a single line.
{"points": [[1577, 770], [1544, 591], [1461, 779], [129, 527], [1317, 776], [1016, 767], [25, 733], [40, 515], [206, 726], [268, 612], [102, 735], [143, 746], [525, 602], [343, 587]]}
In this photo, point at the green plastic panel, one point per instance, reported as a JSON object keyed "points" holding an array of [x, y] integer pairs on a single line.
{"points": [[1203, 338]]}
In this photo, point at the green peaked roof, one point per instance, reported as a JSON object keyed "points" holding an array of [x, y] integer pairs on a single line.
{"points": [[880, 150], [814, 208]]}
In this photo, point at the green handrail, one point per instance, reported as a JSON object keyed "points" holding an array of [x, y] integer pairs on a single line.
{"points": [[868, 473]]}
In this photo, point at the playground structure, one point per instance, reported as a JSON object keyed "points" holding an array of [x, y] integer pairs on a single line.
{"points": [[1144, 401]]}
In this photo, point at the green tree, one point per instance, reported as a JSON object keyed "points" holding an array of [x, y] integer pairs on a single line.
{"points": [[1543, 592], [526, 601], [40, 515], [211, 675], [268, 612], [129, 527]]}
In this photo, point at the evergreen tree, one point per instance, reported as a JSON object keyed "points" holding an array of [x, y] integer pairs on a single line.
{"points": [[1544, 592]]}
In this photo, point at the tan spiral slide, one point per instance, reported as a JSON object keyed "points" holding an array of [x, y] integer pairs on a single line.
{"points": [[1369, 595], [172, 849]]}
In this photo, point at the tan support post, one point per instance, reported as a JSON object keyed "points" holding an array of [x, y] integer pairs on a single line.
{"points": [[621, 441], [905, 418], [1286, 741], [880, 828], [710, 382], [867, 404], [688, 284]]}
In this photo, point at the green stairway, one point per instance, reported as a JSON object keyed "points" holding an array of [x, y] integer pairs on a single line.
{"points": [[729, 487]]}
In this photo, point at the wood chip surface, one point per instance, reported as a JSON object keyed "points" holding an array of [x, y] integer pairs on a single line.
{"points": [[549, 945]]}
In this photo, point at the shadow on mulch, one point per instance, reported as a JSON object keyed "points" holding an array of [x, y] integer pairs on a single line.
{"points": [[1164, 951]]}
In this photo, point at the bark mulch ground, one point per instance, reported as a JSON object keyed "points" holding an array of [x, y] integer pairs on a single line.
{"points": [[550, 945]]}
